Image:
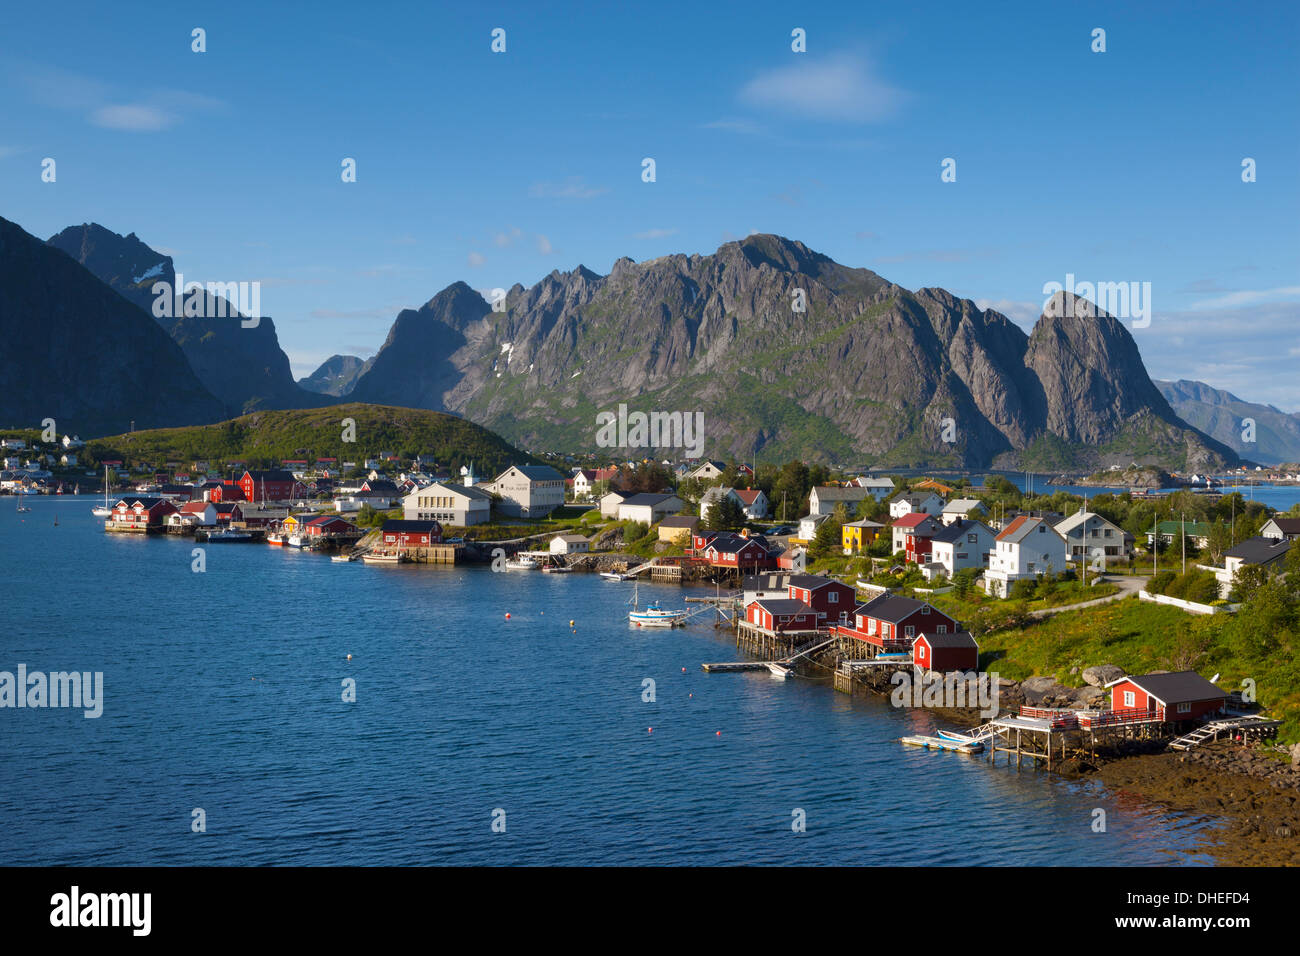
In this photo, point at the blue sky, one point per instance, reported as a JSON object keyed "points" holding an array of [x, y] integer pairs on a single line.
{"points": [[498, 168]]}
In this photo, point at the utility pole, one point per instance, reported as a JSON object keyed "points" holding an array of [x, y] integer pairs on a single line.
{"points": [[1183, 535], [1155, 543]]}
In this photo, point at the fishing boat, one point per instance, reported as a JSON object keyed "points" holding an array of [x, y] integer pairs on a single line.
{"points": [[228, 535], [614, 576], [654, 615], [105, 511], [521, 562], [384, 558], [341, 558], [275, 538], [295, 541]]}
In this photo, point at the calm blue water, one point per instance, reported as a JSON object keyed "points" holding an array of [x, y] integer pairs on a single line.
{"points": [[1281, 497], [222, 691]]}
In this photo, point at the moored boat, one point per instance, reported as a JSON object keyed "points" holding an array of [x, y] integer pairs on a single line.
{"points": [[521, 562], [228, 535]]}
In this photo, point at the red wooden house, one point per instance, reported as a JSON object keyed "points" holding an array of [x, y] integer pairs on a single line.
{"points": [[915, 531], [272, 485], [831, 600], [781, 614], [723, 549], [398, 533], [950, 651], [327, 526], [140, 514], [228, 512], [1183, 695], [893, 622]]}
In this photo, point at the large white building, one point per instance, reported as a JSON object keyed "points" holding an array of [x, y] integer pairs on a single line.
{"points": [[823, 499], [529, 491], [956, 546], [916, 502], [649, 508], [1027, 548], [448, 503], [1086, 532]]}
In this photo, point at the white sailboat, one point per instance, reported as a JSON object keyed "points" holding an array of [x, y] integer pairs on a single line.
{"points": [[105, 511]]}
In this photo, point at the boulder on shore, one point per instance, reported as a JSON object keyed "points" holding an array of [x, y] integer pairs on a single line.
{"points": [[1102, 674]]}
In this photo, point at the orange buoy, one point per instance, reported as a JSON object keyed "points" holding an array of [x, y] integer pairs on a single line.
{"points": [[649, 730], [349, 657], [507, 615], [717, 733], [683, 670]]}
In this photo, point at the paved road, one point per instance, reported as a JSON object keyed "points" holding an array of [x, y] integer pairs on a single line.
{"points": [[1128, 584]]}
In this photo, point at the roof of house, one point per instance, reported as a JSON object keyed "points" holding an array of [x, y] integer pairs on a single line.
{"points": [[962, 506], [1196, 529], [271, 474], [680, 521], [537, 473], [646, 498], [914, 520], [865, 482], [194, 507], [828, 493], [1175, 687], [1259, 550], [863, 523], [401, 524], [950, 639], [728, 542], [1286, 525], [812, 582], [766, 582], [955, 532], [916, 498], [1066, 525], [782, 605], [892, 608], [1021, 527], [748, 495], [815, 519], [144, 502], [329, 519], [227, 507], [571, 538]]}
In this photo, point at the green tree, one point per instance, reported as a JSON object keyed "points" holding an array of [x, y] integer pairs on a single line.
{"points": [[724, 515], [829, 536]]}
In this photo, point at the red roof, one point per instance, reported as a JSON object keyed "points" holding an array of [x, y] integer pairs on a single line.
{"points": [[1013, 527], [748, 495], [911, 520], [194, 507]]}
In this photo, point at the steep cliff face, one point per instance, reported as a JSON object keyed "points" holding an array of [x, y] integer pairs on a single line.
{"points": [[78, 352], [243, 366], [787, 353]]}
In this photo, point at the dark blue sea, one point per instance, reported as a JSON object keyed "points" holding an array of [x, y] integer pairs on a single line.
{"points": [[223, 691]]}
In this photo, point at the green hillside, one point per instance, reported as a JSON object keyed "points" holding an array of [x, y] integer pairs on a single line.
{"points": [[263, 438]]}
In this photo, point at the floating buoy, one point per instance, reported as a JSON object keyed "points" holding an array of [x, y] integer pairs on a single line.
{"points": [[570, 624], [683, 670], [507, 615], [717, 733], [649, 730], [349, 657]]}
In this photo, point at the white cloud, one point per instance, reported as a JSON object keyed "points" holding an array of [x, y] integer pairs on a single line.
{"points": [[1247, 297], [544, 246], [508, 236], [655, 234], [475, 260], [748, 127], [132, 116], [843, 88]]}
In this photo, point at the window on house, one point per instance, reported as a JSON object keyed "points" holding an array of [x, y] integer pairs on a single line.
{"points": [[833, 598], [909, 631], [1130, 699], [941, 629]]}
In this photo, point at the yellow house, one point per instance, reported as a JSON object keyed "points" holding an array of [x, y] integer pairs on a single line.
{"points": [[857, 536], [678, 529], [293, 524]]}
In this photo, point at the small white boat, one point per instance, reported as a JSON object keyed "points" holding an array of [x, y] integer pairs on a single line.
{"points": [[384, 558], [228, 535], [294, 541], [103, 511], [341, 558], [654, 615], [614, 576], [556, 569], [521, 562]]}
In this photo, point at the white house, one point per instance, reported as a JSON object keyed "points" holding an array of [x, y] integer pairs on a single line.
{"points": [[610, 501], [583, 481], [1281, 529], [200, 514], [529, 491], [12, 444], [72, 443], [959, 545], [708, 471], [880, 488], [448, 503], [966, 508], [570, 544], [68, 461], [916, 502], [713, 496], [823, 499], [808, 526], [1257, 550], [1027, 548], [754, 502], [1085, 532], [649, 508]]}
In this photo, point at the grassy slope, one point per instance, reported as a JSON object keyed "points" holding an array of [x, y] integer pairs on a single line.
{"points": [[263, 437]]}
